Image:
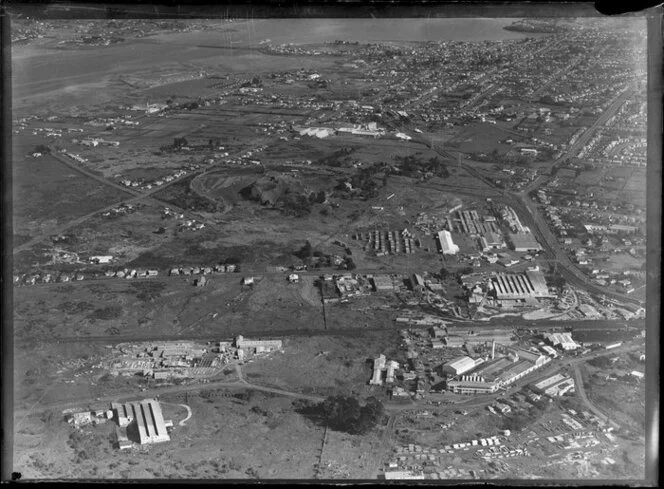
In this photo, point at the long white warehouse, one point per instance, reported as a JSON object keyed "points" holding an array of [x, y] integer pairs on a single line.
{"points": [[447, 246]]}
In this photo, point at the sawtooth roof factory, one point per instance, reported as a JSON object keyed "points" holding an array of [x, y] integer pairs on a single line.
{"points": [[141, 422], [519, 286]]}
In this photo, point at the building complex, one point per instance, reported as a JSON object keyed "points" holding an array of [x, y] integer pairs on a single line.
{"points": [[492, 375]]}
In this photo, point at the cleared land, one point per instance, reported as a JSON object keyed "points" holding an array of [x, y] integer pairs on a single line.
{"points": [[39, 203]]}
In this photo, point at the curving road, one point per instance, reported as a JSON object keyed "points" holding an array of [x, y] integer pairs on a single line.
{"points": [[532, 217], [581, 391], [20, 415], [137, 197]]}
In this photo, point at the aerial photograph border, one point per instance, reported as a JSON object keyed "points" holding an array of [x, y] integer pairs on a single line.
{"points": [[331, 243]]}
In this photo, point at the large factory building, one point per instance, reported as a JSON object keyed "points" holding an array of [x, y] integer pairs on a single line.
{"points": [[144, 421], [519, 286], [494, 374]]}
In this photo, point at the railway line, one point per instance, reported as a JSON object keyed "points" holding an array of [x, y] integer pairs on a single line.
{"points": [[508, 324]]}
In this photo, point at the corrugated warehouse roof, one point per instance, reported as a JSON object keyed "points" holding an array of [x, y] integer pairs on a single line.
{"points": [[549, 381], [525, 241], [460, 365]]}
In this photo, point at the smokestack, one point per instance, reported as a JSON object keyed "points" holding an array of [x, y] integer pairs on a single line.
{"points": [[493, 349]]}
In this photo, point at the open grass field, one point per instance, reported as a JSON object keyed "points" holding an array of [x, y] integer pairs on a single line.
{"points": [[622, 262], [39, 203], [630, 411], [334, 364], [40, 369], [636, 184], [483, 137], [158, 307], [587, 178], [124, 237]]}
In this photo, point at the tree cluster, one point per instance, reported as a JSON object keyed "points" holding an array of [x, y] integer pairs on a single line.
{"points": [[296, 205], [345, 414], [178, 143], [305, 252], [412, 165]]}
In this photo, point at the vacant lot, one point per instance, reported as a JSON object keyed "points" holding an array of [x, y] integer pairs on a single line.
{"points": [[629, 411], [483, 138], [162, 306], [622, 262], [40, 369], [593, 177], [39, 202], [333, 364]]}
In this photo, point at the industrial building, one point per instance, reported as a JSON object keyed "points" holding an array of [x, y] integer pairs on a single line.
{"points": [[589, 311], [438, 332], [493, 375], [144, 421], [487, 339], [417, 282], [502, 408], [403, 475], [455, 341], [257, 346], [381, 364], [556, 385], [563, 340], [461, 365], [447, 246], [525, 242], [382, 283], [472, 384], [519, 286], [469, 222], [512, 219], [392, 366], [319, 132], [491, 241]]}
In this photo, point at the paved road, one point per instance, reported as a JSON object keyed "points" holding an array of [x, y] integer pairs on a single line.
{"points": [[600, 121]]}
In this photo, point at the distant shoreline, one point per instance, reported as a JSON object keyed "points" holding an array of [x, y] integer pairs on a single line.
{"points": [[530, 29]]}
